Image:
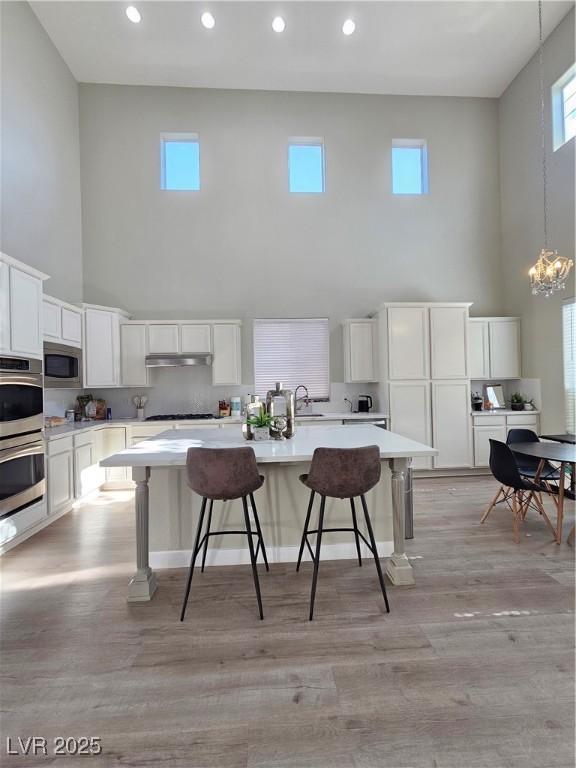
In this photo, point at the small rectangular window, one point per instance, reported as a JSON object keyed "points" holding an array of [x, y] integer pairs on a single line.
{"points": [[564, 108], [293, 351], [180, 161], [306, 166], [409, 167]]}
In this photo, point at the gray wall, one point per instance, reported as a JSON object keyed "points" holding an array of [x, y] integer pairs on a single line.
{"points": [[40, 169], [522, 217], [243, 247]]}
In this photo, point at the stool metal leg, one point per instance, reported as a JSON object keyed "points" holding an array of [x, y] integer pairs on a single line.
{"points": [[193, 558], [259, 530], [375, 552], [317, 558], [305, 533], [355, 523], [252, 556], [207, 532]]}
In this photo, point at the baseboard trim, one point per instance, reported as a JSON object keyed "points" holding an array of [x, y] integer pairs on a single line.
{"points": [[180, 558]]}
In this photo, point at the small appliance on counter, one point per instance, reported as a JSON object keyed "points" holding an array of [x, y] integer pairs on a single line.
{"points": [[286, 426], [364, 403]]}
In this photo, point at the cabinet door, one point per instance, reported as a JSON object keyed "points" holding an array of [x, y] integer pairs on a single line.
{"points": [[133, 350], [195, 339], [71, 326], [101, 353], [410, 414], [482, 437], [360, 352], [114, 441], [60, 482], [4, 307], [449, 342], [226, 368], [451, 423], [52, 320], [505, 349], [25, 314], [408, 343], [478, 349], [86, 471], [163, 338]]}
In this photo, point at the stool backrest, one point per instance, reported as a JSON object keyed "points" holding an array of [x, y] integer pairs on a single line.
{"points": [[344, 472], [503, 465], [222, 473], [522, 436]]}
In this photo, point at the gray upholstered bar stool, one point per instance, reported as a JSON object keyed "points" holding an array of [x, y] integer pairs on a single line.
{"points": [[341, 473], [224, 474]]}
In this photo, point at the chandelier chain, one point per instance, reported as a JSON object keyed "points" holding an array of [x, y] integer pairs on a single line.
{"points": [[543, 125]]}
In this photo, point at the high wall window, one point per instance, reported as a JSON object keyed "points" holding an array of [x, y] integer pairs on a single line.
{"points": [[180, 161], [564, 108], [569, 345], [409, 167], [306, 166], [293, 351]]}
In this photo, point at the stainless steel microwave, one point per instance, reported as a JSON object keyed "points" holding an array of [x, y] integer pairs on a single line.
{"points": [[62, 366]]}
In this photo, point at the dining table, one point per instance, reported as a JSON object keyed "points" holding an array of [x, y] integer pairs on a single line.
{"points": [[563, 454]]}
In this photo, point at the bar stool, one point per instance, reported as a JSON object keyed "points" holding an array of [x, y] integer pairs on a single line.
{"points": [[341, 473], [224, 474]]}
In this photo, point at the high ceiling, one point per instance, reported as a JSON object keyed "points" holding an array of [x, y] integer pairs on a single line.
{"points": [[421, 48]]}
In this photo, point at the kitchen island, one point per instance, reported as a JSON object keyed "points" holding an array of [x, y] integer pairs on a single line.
{"points": [[165, 508]]}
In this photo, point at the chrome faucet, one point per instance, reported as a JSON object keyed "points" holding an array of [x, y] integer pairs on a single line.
{"points": [[298, 400]]}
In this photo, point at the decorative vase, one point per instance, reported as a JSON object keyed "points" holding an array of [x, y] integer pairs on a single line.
{"points": [[139, 413], [260, 433], [517, 406]]}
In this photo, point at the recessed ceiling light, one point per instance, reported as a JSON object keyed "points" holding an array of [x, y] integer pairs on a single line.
{"points": [[348, 27], [133, 14], [278, 24], [208, 20]]}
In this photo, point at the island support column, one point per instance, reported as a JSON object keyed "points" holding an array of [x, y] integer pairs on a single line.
{"points": [[399, 570], [143, 584]]}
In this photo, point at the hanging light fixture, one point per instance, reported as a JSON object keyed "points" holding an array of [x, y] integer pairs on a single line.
{"points": [[549, 273]]}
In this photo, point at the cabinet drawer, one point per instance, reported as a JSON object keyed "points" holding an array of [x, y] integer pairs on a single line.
{"points": [[489, 421], [526, 419], [84, 438], [59, 445]]}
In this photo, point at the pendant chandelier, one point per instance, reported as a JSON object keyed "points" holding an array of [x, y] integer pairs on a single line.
{"points": [[549, 273]]}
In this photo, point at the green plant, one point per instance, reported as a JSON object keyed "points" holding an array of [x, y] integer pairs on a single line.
{"points": [[261, 419], [517, 397]]}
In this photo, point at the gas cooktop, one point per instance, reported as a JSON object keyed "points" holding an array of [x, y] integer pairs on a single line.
{"points": [[180, 417]]}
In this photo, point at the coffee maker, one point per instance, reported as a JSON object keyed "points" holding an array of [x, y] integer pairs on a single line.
{"points": [[364, 403]]}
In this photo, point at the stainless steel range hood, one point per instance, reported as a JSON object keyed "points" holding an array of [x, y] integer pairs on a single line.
{"points": [[169, 360]]}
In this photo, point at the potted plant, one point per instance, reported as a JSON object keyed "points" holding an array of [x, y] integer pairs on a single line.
{"points": [[260, 424], [477, 401], [517, 401]]}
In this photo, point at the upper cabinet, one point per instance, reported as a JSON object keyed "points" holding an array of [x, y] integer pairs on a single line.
{"points": [[449, 342], [195, 339], [360, 351], [20, 309], [163, 338], [408, 343], [133, 351], [102, 346], [62, 322], [227, 354], [495, 348]]}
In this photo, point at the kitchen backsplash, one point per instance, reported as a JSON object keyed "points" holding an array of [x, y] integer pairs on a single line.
{"points": [[189, 390]]}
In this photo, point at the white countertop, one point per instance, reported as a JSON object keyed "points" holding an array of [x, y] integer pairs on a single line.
{"points": [[73, 428], [169, 448], [505, 412]]}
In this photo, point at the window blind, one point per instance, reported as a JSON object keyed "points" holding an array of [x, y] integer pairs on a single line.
{"points": [[569, 343], [293, 352]]}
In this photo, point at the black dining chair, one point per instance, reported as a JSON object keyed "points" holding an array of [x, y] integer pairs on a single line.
{"points": [[528, 465], [517, 492]]}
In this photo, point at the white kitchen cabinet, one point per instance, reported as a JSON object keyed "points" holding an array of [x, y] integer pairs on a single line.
{"points": [[113, 440], [226, 350], [62, 322], [410, 414], [163, 338], [360, 351], [86, 478], [133, 351], [52, 320], [504, 337], [195, 339], [71, 326], [60, 475], [482, 437], [25, 313], [4, 306], [408, 343], [102, 346], [449, 342], [478, 345], [451, 420]]}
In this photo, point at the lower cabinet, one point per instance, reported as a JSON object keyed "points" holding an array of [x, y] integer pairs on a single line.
{"points": [[496, 427], [451, 420], [482, 437], [410, 414], [60, 475]]}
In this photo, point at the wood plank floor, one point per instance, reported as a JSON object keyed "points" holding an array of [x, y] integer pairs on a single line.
{"points": [[473, 667]]}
